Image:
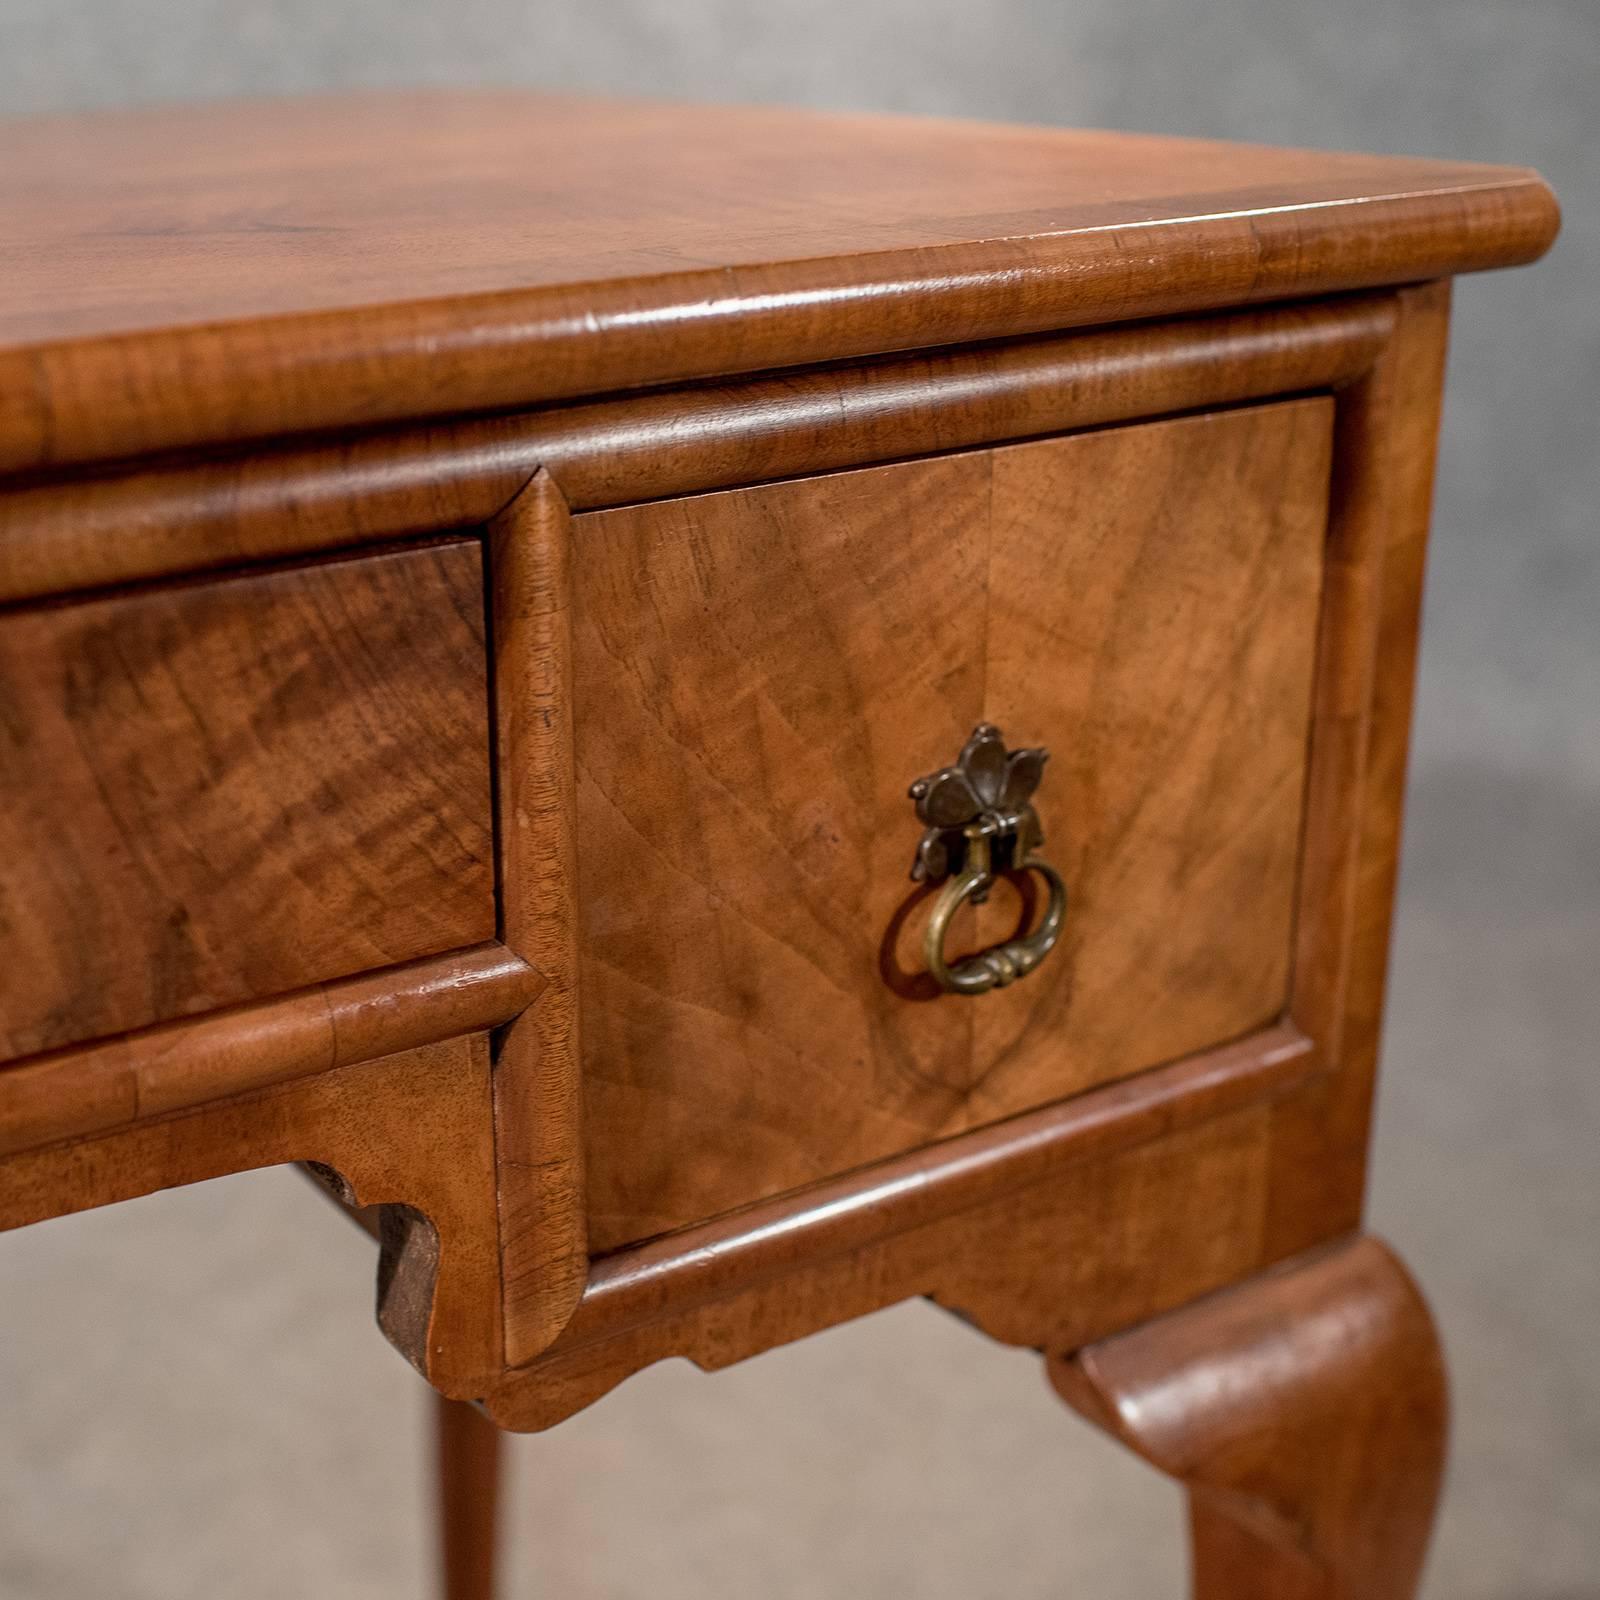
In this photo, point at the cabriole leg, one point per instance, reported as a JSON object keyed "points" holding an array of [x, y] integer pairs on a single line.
{"points": [[1305, 1413]]}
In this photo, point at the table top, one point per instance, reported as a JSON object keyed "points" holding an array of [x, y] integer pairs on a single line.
{"points": [[340, 252]]}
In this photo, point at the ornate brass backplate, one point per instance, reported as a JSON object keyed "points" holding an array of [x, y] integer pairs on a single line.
{"points": [[979, 823]]}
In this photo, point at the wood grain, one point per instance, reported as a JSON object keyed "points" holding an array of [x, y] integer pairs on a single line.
{"points": [[962, 1255], [737, 845], [1384, 465], [797, 1262], [411, 1133], [1097, 1246], [1142, 601], [1157, 626], [220, 792], [1304, 1411], [176, 1065], [763, 1242], [252, 853], [538, 1067], [75, 533], [225, 272]]}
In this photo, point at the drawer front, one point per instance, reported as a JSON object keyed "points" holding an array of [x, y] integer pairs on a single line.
{"points": [[759, 676], [223, 790]]}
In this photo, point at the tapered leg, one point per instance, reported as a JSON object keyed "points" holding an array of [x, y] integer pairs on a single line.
{"points": [[1304, 1411], [469, 1491]]}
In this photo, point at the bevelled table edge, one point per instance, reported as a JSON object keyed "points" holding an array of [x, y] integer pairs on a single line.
{"points": [[121, 395]]}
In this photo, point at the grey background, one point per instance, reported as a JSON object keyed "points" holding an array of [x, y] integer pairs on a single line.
{"points": [[193, 1401]]}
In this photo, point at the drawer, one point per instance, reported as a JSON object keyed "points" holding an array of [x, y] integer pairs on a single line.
{"points": [[759, 676], [212, 792]]}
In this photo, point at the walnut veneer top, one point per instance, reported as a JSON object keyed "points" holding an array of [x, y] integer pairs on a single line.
{"points": [[197, 274]]}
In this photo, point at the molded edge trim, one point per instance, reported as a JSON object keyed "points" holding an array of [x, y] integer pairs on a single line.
{"points": [[141, 524], [670, 1275], [175, 1066], [134, 394]]}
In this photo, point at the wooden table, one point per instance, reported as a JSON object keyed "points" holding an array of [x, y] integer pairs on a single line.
{"points": [[530, 633]]}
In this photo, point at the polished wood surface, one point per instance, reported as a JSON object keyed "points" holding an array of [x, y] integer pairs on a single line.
{"points": [[219, 792], [526, 852], [538, 1062], [411, 1134], [1142, 601], [1151, 610], [73, 533], [1385, 450], [1305, 1413], [1093, 1246], [220, 272], [1133, 1196], [1288, 1172], [178, 1065], [468, 1462]]}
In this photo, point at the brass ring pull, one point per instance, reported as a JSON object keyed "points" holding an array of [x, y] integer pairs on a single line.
{"points": [[979, 824], [1000, 964]]}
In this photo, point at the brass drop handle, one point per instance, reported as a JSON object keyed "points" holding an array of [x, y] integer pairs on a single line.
{"points": [[1000, 964], [980, 823]]}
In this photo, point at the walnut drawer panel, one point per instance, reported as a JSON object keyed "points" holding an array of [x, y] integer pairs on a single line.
{"points": [[759, 674], [223, 790]]}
